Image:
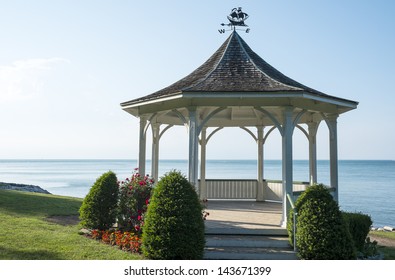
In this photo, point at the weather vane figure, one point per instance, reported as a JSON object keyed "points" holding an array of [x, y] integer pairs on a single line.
{"points": [[236, 18]]}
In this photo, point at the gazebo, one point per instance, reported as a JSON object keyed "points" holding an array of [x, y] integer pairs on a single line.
{"points": [[237, 88]]}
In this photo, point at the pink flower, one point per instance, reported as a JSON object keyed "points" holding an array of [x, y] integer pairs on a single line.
{"points": [[139, 218]]}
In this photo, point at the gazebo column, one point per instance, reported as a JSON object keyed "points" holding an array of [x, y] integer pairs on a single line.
{"points": [[260, 186], [193, 159], [155, 151], [203, 143], [142, 145], [313, 126], [287, 166], [332, 124]]}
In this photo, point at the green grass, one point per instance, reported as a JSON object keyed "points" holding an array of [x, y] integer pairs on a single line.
{"points": [[26, 235], [386, 234], [389, 252]]}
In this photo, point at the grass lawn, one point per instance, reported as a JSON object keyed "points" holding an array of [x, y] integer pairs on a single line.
{"points": [[25, 234], [388, 251]]}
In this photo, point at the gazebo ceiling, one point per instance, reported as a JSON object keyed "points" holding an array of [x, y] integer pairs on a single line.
{"points": [[240, 82]]}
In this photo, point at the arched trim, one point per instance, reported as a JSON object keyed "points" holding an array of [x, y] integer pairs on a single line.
{"points": [[209, 116], [303, 130], [298, 116], [268, 133], [274, 120], [180, 116], [327, 121], [148, 123], [249, 132], [164, 130], [213, 132]]}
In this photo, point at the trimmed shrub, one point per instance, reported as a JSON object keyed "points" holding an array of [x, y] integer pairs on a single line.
{"points": [[99, 207], [359, 226], [134, 196], [290, 227], [322, 233], [174, 227]]}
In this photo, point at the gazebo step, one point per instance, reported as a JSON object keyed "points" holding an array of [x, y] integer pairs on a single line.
{"points": [[272, 245], [250, 241], [245, 231]]}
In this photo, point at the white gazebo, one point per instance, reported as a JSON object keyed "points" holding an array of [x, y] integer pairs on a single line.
{"points": [[237, 88]]}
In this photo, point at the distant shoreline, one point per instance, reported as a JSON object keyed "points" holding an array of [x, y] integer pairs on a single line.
{"points": [[22, 187]]}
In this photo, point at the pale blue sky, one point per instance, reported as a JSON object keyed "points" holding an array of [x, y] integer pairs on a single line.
{"points": [[66, 65]]}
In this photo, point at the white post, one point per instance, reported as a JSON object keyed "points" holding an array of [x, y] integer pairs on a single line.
{"points": [[313, 126], [193, 149], [203, 143], [142, 145], [287, 167], [260, 191], [155, 151], [332, 120]]}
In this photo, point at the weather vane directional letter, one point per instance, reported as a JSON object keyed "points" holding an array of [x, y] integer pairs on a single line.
{"points": [[236, 18]]}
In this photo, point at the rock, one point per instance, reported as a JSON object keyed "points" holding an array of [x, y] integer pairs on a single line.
{"points": [[387, 228], [84, 231], [373, 229], [22, 187], [380, 229]]}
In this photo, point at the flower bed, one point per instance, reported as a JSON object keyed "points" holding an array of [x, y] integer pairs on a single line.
{"points": [[126, 241]]}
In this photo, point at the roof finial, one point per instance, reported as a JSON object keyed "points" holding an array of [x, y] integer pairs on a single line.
{"points": [[236, 18]]}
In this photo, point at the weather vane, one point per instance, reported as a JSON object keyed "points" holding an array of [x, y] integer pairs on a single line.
{"points": [[236, 18]]}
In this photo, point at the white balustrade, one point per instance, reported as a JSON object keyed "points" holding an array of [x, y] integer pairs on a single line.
{"points": [[247, 189]]}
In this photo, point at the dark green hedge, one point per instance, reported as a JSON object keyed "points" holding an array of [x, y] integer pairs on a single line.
{"points": [[359, 226]]}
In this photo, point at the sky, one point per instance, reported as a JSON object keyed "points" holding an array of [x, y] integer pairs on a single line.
{"points": [[65, 67]]}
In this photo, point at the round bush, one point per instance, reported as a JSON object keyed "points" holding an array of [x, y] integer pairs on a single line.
{"points": [[174, 227], [99, 207], [322, 233]]}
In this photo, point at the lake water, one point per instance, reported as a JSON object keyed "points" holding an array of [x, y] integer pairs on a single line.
{"points": [[364, 186]]}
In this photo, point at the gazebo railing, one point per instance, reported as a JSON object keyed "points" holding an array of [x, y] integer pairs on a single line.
{"points": [[247, 189], [274, 189], [231, 189]]}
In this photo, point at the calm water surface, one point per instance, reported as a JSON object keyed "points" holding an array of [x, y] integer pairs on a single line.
{"points": [[364, 186]]}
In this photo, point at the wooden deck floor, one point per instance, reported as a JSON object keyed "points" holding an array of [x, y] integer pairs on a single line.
{"points": [[239, 217]]}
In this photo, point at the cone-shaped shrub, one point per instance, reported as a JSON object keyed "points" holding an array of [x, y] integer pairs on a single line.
{"points": [[99, 208], [322, 233], [174, 227]]}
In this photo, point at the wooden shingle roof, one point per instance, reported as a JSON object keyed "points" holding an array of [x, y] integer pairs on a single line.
{"points": [[234, 67]]}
